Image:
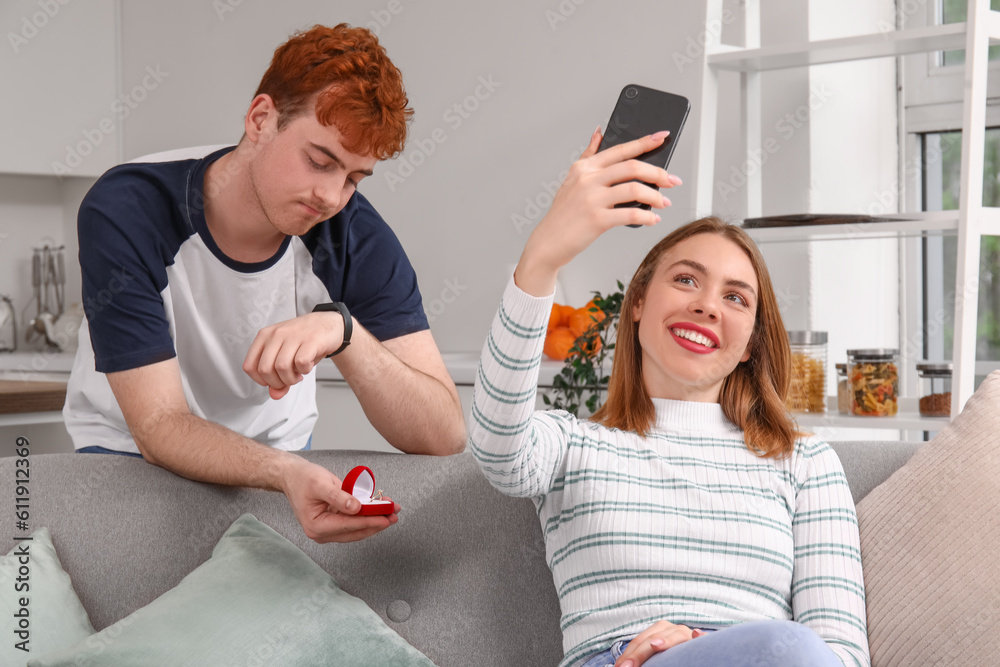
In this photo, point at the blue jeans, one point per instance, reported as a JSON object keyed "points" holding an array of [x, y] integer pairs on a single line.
{"points": [[94, 449], [756, 644]]}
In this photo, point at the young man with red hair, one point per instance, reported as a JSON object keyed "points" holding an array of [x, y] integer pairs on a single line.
{"points": [[214, 286]]}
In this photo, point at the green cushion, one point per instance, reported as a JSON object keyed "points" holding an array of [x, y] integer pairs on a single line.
{"points": [[55, 617], [259, 600]]}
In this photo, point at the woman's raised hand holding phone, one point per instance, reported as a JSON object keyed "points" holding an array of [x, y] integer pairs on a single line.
{"points": [[584, 208]]}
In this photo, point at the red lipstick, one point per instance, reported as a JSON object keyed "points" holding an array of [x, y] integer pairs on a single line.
{"points": [[691, 345]]}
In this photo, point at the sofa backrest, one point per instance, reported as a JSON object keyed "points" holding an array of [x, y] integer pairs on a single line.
{"points": [[869, 463], [468, 563]]}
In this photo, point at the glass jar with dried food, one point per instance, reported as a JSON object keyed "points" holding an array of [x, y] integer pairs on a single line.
{"points": [[843, 390], [935, 388], [807, 389], [873, 379]]}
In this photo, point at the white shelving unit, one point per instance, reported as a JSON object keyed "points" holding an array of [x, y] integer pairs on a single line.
{"points": [[907, 419], [970, 222]]}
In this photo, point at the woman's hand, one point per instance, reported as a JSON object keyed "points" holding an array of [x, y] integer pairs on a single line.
{"points": [[584, 207], [658, 637]]}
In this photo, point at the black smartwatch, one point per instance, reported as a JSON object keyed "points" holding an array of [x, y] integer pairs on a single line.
{"points": [[339, 307]]}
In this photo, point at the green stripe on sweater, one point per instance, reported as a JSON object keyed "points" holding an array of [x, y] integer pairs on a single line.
{"points": [[827, 614], [519, 330], [509, 362], [603, 576], [585, 509], [669, 542], [587, 475]]}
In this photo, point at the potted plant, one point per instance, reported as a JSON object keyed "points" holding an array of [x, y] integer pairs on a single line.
{"points": [[583, 380]]}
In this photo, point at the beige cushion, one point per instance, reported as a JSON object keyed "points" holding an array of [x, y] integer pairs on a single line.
{"points": [[930, 545]]}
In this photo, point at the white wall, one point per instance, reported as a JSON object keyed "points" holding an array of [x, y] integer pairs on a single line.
{"points": [[557, 66], [855, 284], [785, 167]]}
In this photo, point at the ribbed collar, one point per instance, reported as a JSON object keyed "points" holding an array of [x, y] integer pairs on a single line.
{"points": [[690, 416]]}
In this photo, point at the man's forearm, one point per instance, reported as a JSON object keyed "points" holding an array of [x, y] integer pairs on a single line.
{"points": [[204, 451], [415, 412]]}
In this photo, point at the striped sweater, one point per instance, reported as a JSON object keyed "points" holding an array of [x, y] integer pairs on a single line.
{"points": [[685, 525]]}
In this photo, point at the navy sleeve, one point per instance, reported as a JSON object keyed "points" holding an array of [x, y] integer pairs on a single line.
{"points": [[124, 252], [362, 263]]}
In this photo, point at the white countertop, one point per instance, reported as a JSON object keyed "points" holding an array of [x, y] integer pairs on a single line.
{"points": [[56, 366], [37, 362], [461, 365]]}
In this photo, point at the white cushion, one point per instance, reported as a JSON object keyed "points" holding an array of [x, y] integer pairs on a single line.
{"points": [[929, 541]]}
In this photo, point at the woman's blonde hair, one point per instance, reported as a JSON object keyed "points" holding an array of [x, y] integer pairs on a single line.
{"points": [[752, 396]]}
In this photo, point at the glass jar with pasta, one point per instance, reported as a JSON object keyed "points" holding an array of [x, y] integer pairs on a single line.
{"points": [[807, 388], [873, 381]]}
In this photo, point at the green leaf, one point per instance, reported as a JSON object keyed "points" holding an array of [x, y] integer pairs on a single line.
{"points": [[581, 380]]}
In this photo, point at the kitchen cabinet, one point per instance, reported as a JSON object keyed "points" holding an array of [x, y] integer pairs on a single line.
{"points": [[18, 397], [60, 71], [970, 222], [342, 423]]}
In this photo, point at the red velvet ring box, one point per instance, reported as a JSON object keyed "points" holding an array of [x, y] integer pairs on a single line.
{"points": [[360, 483]]}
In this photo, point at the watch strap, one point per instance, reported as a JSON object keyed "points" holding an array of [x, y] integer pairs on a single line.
{"points": [[341, 308]]}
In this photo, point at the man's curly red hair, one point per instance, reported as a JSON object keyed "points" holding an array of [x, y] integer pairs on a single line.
{"points": [[346, 76]]}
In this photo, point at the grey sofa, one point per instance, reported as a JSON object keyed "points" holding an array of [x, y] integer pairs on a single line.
{"points": [[462, 576]]}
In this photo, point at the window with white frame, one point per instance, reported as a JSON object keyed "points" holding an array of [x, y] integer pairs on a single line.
{"points": [[933, 88], [941, 169]]}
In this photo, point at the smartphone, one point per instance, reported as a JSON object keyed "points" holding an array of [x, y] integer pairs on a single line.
{"points": [[641, 111]]}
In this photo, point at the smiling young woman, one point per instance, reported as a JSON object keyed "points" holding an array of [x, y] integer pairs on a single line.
{"points": [[752, 395], [686, 523]]}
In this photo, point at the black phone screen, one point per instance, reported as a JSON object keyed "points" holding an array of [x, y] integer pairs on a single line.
{"points": [[641, 111]]}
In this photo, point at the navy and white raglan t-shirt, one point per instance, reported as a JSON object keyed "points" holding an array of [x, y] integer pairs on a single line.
{"points": [[156, 286]]}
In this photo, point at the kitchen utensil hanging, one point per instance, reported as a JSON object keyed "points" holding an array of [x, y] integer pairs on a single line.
{"points": [[8, 314], [48, 280]]}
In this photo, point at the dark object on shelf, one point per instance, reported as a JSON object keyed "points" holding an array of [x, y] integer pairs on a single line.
{"points": [[801, 219], [935, 388]]}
